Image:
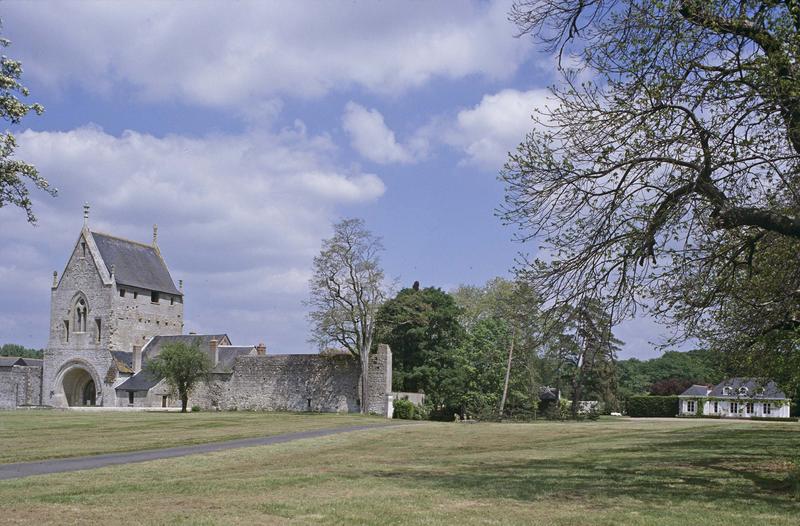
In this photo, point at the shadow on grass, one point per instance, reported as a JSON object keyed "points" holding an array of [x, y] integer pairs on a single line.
{"points": [[734, 466]]}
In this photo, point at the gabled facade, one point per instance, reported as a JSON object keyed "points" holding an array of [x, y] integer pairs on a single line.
{"points": [[736, 398], [113, 296]]}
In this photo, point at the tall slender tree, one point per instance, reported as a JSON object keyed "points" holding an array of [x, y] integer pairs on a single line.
{"points": [[346, 289]]}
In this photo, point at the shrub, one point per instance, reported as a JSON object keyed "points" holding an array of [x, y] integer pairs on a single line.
{"points": [[404, 410], [639, 406], [195, 409]]}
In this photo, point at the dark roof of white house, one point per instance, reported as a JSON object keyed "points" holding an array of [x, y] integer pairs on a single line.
{"points": [[696, 390], [751, 388], [135, 264]]}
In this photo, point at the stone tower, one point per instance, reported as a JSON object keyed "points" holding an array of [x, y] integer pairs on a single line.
{"points": [[113, 296]]}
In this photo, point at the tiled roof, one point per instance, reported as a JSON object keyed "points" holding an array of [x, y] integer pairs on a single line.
{"points": [[135, 264]]}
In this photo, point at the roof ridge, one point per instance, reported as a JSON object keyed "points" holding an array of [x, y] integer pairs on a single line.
{"points": [[120, 238]]}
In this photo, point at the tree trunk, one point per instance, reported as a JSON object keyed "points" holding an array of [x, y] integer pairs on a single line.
{"points": [[508, 372], [184, 402]]}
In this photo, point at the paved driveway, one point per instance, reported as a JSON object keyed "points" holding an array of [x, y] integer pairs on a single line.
{"points": [[26, 469]]}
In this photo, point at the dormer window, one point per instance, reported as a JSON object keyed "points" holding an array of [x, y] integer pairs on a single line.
{"points": [[726, 391], [743, 391]]}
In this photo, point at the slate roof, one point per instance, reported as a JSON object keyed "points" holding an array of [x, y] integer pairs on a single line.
{"points": [[753, 385], [696, 390], [123, 360], [33, 362], [10, 361], [548, 393], [227, 354], [154, 346], [135, 264], [141, 381]]}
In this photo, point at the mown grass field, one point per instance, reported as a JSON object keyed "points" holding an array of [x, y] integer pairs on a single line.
{"points": [[622, 471], [37, 435]]}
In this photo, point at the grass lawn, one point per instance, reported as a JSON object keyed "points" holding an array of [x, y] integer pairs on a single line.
{"points": [[42, 434], [609, 472]]}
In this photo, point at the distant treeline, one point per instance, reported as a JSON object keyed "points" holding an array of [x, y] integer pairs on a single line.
{"points": [[13, 349], [669, 374]]}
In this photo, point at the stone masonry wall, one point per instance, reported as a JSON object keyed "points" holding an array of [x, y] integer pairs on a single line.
{"points": [[380, 382], [19, 386], [81, 275], [292, 382], [298, 382]]}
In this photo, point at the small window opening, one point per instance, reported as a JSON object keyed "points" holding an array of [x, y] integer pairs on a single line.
{"points": [[99, 323], [308, 400], [121, 293], [130, 397], [83, 248], [172, 300], [135, 294], [66, 329], [164, 401], [154, 296], [80, 316]]}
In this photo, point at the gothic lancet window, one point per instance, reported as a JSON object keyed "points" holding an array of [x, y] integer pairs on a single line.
{"points": [[81, 312]]}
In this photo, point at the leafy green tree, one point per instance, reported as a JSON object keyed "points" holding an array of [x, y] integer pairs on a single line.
{"points": [[671, 180], [14, 173], [698, 366], [346, 290], [422, 328], [183, 365], [517, 306]]}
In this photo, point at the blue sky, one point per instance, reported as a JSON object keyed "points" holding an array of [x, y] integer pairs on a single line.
{"points": [[245, 129]]}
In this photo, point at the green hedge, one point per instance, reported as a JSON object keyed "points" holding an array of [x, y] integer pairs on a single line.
{"points": [[653, 406]]}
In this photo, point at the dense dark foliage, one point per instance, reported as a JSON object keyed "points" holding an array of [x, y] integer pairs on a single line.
{"points": [[654, 406]]}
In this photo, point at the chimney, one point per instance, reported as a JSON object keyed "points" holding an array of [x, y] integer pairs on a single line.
{"points": [[155, 235], [86, 214], [137, 358], [261, 349], [213, 352]]}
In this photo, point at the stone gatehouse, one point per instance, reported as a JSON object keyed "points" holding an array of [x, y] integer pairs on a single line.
{"points": [[115, 306]]}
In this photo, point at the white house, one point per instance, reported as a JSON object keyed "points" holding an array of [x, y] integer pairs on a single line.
{"points": [[736, 398]]}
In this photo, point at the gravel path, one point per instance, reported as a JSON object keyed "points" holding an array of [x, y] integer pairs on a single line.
{"points": [[42, 467]]}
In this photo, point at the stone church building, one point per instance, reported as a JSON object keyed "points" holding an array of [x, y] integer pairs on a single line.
{"points": [[116, 306]]}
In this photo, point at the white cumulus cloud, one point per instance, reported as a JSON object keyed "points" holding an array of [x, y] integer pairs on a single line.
{"points": [[240, 219], [230, 54], [486, 132], [370, 136]]}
